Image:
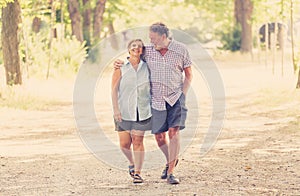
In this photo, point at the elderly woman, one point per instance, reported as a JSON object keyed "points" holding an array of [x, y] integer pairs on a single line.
{"points": [[131, 106]]}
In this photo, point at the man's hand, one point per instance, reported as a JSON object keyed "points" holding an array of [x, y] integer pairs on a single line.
{"points": [[187, 80], [118, 64]]}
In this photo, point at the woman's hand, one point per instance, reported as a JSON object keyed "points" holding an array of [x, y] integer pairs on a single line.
{"points": [[118, 117]]}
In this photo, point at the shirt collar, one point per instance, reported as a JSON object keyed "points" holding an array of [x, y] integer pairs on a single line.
{"points": [[126, 62], [171, 45]]}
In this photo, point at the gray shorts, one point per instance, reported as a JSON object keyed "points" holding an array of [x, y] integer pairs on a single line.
{"points": [[127, 125], [173, 116]]}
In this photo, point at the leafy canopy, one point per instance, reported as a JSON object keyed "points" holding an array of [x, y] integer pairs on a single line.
{"points": [[3, 3]]}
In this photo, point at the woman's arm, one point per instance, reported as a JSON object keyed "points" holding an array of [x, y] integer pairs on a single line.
{"points": [[116, 77]]}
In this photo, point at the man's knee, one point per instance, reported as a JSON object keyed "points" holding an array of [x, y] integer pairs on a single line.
{"points": [[173, 131], [160, 138]]}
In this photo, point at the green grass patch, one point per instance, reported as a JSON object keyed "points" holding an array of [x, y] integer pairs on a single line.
{"points": [[18, 98]]}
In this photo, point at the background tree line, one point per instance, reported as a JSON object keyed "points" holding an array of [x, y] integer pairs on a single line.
{"points": [[54, 35]]}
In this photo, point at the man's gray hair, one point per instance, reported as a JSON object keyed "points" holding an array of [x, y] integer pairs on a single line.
{"points": [[160, 28]]}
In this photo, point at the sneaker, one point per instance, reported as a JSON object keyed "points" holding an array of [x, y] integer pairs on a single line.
{"points": [[137, 179], [171, 179], [164, 174], [131, 170]]}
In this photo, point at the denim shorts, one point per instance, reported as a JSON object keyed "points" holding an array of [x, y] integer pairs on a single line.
{"points": [[127, 125], [173, 116]]}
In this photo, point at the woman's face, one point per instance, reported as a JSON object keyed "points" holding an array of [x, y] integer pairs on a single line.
{"points": [[136, 48]]}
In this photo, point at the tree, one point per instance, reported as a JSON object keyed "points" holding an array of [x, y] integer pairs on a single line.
{"points": [[11, 17], [87, 22], [298, 82], [75, 17], [243, 11], [98, 18], [295, 62]]}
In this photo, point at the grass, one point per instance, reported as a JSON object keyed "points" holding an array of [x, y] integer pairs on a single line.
{"points": [[273, 98], [17, 97]]}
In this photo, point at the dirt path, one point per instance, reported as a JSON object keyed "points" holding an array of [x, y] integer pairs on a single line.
{"points": [[257, 152]]}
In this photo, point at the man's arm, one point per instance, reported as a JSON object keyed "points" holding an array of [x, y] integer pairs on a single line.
{"points": [[118, 64], [187, 80]]}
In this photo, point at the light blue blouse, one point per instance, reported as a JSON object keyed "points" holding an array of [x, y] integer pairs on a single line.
{"points": [[134, 92]]}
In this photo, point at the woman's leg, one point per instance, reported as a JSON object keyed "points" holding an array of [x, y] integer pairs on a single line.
{"points": [[125, 145], [138, 149]]}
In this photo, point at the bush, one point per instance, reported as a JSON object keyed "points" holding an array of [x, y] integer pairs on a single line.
{"points": [[63, 57], [231, 40]]}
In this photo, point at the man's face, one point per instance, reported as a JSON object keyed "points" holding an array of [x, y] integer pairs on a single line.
{"points": [[157, 40]]}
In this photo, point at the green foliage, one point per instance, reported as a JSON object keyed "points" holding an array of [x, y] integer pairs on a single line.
{"points": [[68, 54], [63, 56], [3, 3], [35, 8], [231, 40], [270, 11]]}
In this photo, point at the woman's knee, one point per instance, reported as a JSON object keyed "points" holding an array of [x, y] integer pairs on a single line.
{"points": [[137, 140], [125, 144]]}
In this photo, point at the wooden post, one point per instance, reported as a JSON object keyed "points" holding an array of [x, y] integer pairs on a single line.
{"points": [[266, 43], [258, 46]]}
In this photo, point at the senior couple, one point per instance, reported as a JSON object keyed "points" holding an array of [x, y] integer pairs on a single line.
{"points": [[148, 93]]}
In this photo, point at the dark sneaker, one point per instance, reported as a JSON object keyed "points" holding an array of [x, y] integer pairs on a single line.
{"points": [[172, 179], [164, 174], [137, 179]]}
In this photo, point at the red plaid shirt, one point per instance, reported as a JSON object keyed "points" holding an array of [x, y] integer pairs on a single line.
{"points": [[166, 73]]}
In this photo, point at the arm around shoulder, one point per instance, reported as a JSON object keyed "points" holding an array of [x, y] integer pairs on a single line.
{"points": [[118, 63]]}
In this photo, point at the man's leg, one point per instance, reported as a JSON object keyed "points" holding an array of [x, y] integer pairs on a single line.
{"points": [[159, 128], [176, 120], [174, 147], [163, 144]]}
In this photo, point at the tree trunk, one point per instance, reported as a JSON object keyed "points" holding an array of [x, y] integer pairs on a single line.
{"points": [[87, 22], [112, 38], [11, 17], [296, 67], [53, 34], [36, 24], [298, 83], [243, 11], [75, 17], [98, 18]]}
